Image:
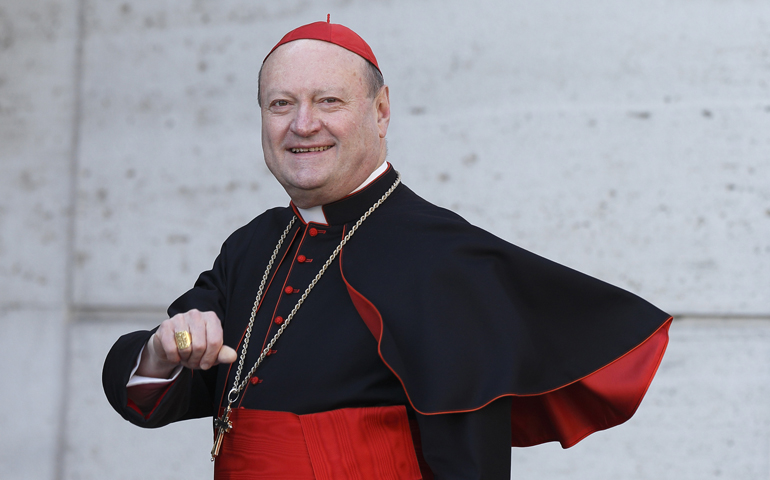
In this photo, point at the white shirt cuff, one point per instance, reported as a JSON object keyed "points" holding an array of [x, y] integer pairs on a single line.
{"points": [[135, 380]]}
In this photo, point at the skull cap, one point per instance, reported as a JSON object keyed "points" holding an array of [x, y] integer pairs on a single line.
{"points": [[332, 33]]}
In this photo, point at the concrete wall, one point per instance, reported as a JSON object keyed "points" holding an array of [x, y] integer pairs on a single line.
{"points": [[626, 139]]}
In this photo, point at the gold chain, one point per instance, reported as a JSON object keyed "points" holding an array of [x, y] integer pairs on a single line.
{"points": [[234, 392]]}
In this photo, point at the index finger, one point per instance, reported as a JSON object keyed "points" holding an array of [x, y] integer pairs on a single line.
{"points": [[214, 339]]}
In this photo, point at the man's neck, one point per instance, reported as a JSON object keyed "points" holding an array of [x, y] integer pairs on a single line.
{"points": [[316, 214]]}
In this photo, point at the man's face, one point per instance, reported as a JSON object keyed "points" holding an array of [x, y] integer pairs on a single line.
{"points": [[321, 133]]}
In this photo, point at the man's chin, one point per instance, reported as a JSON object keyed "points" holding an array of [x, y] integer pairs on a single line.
{"points": [[308, 194], [308, 184]]}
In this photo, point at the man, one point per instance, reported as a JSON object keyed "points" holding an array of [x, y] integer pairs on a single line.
{"points": [[362, 332]]}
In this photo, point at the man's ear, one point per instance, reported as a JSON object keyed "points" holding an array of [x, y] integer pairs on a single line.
{"points": [[382, 106]]}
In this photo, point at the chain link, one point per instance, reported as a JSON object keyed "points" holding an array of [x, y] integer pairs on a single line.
{"points": [[237, 388]]}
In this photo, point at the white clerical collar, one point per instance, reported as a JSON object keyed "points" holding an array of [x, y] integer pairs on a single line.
{"points": [[316, 214]]}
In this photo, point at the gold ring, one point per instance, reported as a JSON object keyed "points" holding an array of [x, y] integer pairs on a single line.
{"points": [[183, 340]]}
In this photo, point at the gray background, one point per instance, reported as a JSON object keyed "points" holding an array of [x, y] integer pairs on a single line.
{"points": [[628, 139]]}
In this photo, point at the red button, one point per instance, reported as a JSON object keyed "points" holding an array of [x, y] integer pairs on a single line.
{"points": [[278, 320], [313, 232], [301, 259], [288, 290], [254, 380]]}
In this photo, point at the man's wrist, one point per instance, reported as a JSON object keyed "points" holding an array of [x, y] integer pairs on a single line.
{"points": [[151, 365]]}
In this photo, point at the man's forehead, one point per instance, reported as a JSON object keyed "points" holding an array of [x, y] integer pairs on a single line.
{"points": [[303, 50], [313, 68]]}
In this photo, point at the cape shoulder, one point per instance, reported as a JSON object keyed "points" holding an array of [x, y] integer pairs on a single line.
{"points": [[464, 317]]}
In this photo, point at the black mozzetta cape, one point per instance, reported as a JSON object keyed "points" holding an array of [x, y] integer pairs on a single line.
{"points": [[423, 309]]}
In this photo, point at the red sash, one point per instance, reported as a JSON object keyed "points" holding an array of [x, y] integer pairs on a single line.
{"points": [[351, 443]]}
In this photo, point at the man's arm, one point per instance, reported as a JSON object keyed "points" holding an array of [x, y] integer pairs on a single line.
{"points": [[470, 445], [159, 358]]}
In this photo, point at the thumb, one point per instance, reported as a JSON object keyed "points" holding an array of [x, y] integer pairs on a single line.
{"points": [[226, 355]]}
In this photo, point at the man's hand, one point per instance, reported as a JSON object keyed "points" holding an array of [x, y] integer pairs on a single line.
{"points": [[161, 355]]}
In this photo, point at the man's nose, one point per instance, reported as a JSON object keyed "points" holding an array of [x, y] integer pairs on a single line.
{"points": [[305, 123]]}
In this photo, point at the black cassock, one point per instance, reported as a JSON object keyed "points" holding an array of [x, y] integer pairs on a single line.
{"points": [[487, 345]]}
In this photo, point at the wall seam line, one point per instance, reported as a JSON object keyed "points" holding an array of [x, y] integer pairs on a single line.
{"points": [[69, 293]]}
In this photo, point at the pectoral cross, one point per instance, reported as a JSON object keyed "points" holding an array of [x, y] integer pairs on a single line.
{"points": [[222, 425]]}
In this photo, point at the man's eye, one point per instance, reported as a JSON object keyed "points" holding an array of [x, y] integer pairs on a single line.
{"points": [[329, 100], [280, 103]]}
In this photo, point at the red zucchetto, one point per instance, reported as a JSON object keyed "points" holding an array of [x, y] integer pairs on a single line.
{"points": [[332, 33]]}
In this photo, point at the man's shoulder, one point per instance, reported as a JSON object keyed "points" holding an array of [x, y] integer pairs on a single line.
{"points": [[410, 228], [412, 216], [265, 224], [406, 205]]}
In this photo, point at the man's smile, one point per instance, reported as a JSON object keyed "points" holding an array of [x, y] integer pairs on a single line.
{"points": [[310, 149]]}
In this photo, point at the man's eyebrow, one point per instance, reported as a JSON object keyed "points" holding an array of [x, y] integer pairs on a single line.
{"points": [[321, 92], [279, 93]]}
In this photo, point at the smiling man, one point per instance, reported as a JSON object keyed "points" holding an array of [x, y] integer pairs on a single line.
{"points": [[323, 125], [361, 332]]}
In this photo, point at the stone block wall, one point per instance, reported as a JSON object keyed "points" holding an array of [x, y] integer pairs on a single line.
{"points": [[626, 139]]}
